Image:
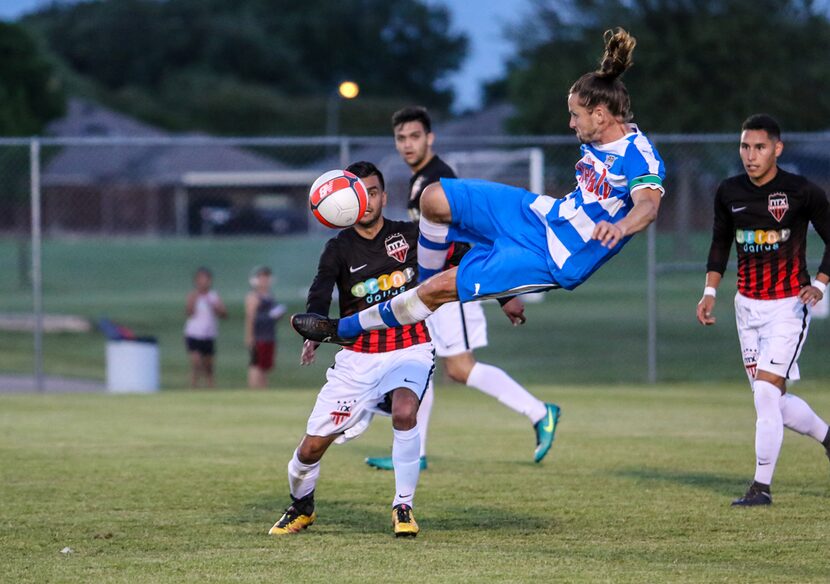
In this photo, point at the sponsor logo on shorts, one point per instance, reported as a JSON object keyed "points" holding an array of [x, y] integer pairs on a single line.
{"points": [[759, 240], [342, 413], [383, 287], [751, 362], [777, 205], [396, 247]]}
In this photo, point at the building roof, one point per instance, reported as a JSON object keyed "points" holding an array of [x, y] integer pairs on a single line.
{"points": [[146, 164]]}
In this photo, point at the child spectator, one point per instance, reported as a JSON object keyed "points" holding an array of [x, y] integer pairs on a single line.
{"points": [[261, 316], [203, 309]]}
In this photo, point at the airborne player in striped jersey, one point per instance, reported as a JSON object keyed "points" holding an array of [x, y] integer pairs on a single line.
{"points": [[767, 211], [383, 371]]}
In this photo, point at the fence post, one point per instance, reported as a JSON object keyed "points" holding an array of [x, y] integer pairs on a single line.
{"points": [[537, 171], [37, 269], [651, 300], [345, 152]]}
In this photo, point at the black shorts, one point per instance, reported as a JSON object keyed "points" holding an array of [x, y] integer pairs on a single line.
{"points": [[204, 347]]}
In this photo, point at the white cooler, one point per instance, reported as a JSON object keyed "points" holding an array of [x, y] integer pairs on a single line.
{"points": [[132, 366]]}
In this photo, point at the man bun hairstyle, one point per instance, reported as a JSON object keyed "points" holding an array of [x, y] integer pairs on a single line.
{"points": [[604, 86], [364, 169], [763, 122], [414, 113]]}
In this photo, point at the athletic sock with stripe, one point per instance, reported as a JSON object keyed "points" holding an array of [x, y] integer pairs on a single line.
{"points": [[432, 248], [405, 308]]}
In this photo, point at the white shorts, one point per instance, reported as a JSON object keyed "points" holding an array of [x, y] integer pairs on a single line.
{"points": [[456, 328], [357, 384], [772, 334]]}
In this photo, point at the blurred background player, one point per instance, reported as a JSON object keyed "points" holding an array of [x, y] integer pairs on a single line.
{"points": [[767, 211], [261, 316], [203, 308], [381, 372], [457, 329]]}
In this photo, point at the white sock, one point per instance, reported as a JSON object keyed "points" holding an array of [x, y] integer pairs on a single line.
{"points": [[302, 478], [406, 445], [408, 308], [432, 248], [769, 429], [799, 416], [424, 412], [405, 308], [498, 384]]}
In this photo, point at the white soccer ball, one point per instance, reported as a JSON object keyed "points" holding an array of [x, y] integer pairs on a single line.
{"points": [[338, 199]]}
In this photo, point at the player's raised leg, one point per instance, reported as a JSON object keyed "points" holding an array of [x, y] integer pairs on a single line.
{"points": [[408, 307], [434, 227], [495, 382], [303, 471]]}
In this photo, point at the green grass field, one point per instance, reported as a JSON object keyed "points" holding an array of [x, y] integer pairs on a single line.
{"points": [[182, 487], [142, 283]]}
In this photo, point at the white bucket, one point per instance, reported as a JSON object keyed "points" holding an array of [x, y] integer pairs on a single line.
{"points": [[132, 367]]}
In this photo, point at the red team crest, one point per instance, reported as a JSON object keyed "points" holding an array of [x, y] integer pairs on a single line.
{"points": [[778, 205], [397, 247], [341, 414]]}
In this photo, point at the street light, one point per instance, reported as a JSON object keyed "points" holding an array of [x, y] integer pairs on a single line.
{"points": [[346, 90]]}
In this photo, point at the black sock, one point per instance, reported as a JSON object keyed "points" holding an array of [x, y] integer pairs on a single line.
{"points": [[304, 505], [826, 440]]}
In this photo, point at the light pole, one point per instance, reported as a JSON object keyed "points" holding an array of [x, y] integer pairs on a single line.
{"points": [[346, 90]]}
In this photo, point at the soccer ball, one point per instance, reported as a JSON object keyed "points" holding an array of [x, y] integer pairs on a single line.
{"points": [[338, 199]]}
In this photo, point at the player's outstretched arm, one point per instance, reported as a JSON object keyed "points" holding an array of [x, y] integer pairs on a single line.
{"points": [[706, 305], [642, 214]]}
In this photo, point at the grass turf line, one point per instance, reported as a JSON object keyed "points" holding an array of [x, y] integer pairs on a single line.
{"points": [[179, 487]]}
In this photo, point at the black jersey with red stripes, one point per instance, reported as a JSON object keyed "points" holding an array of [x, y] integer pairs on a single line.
{"points": [[768, 225], [368, 271]]}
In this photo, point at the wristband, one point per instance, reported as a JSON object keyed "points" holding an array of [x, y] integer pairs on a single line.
{"points": [[821, 286], [710, 291]]}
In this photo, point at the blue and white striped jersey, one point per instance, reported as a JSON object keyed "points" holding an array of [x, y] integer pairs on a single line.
{"points": [[606, 175]]}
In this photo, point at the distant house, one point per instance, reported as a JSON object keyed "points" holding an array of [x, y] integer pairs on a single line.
{"points": [[154, 188]]}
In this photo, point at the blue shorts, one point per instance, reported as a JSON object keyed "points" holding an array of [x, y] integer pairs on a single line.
{"points": [[510, 255]]}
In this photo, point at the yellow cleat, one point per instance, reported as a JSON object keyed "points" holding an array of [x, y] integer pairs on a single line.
{"points": [[403, 521], [292, 521]]}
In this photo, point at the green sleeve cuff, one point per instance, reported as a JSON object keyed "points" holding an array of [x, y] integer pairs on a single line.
{"points": [[646, 179]]}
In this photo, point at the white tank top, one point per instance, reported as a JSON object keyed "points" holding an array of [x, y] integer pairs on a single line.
{"points": [[203, 324]]}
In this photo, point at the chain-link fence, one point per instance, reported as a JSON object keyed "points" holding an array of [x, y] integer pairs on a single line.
{"points": [[112, 228]]}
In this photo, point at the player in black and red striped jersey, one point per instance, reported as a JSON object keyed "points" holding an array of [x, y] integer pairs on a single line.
{"points": [[766, 212], [383, 371]]}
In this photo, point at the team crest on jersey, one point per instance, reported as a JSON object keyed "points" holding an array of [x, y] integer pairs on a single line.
{"points": [[609, 161], [342, 413], [396, 247], [778, 205]]}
